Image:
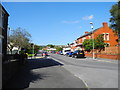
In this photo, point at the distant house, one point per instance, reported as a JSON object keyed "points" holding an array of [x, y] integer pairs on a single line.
{"points": [[3, 31], [108, 35]]}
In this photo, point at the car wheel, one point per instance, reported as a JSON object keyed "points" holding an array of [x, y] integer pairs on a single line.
{"points": [[75, 56], [72, 56]]}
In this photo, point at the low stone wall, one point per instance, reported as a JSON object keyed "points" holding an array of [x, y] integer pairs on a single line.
{"points": [[106, 56], [10, 67]]}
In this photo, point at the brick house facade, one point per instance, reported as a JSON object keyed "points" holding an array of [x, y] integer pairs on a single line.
{"points": [[110, 38]]}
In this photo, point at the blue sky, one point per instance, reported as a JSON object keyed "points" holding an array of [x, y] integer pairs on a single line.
{"points": [[57, 23]]}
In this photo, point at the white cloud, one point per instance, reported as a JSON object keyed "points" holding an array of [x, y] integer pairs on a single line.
{"points": [[88, 17], [71, 21]]}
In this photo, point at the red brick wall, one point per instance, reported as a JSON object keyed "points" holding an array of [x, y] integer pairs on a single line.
{"points": [[106, 56], [108, 53]]}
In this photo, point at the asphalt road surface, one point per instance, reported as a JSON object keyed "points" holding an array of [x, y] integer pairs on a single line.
{"points": [[98, 73], [44, 73]]}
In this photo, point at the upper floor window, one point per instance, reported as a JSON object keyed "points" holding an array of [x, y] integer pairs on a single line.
{"points": [[105, 36], [3, 18], [0, 44], [89, 37], [83, 39]]}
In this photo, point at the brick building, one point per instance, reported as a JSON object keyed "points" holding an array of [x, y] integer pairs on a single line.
{"points": [[110, 38], [112, 48]]}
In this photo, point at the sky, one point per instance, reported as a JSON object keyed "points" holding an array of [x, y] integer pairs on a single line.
{"points": [[57, 23]]}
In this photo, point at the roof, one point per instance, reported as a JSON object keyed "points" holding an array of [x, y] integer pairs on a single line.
{"points": [[88, 33], [4, 9]]}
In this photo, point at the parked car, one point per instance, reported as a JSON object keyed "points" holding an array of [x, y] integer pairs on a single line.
{"points": [[78, 53], [60, 52], [53, 52], [65, 50], [30, 54], [57, 53], [44, 54], [69, 54]]}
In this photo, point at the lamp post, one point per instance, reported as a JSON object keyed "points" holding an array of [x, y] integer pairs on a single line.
{"points": [[92, 39]]}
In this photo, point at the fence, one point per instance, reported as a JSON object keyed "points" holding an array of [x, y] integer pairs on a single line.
{"points": [[10, 67], [107, 52]]}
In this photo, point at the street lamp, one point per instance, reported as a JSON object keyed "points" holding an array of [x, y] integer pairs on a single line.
{"points": [[92, 39]]}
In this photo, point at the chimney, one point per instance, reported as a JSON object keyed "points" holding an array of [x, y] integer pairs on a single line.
{"points": [[86, 32], [105, 24]]}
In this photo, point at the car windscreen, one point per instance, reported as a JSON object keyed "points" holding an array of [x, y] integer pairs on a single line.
{"points": [[67, 50]]}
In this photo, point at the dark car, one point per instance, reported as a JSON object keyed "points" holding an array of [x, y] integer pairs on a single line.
{"points": [[53, 52], [69, 54], [44, 54], [78, 53], [60, 52]]}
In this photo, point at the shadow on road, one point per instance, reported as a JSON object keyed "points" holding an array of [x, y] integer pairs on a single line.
{"points": [[26, 75]]}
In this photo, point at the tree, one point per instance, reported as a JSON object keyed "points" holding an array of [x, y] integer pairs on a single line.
{"points": [[115, 17], [88, 44], [98, 43], [59, 49], [51, 46], [19, 38]]}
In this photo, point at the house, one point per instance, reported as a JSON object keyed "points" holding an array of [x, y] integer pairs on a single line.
{"points": [[3, 31], [111, 51], [3, 37], [110, 38]]}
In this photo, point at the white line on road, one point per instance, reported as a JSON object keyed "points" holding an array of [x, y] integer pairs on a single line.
{"points": [[83, 81], [74, 74]]}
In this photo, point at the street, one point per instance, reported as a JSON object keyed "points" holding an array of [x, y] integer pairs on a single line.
{"points": [[58, 71], [44, 73], [97, 73]]}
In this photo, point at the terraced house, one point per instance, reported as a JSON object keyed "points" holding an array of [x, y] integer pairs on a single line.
{"points": [[3, 36], [109, 36], [3, 31]]}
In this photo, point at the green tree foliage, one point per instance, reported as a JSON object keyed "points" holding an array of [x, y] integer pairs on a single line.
{"points": [[88, 44], [19, 38], [98, 43], [29, 49], [115, 17], [51, 46], [59, 49]]}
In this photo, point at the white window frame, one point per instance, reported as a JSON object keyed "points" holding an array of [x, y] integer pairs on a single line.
{"points": [[89, 37], [83, 39], [108, 44], [107, 37], [1, 37]]}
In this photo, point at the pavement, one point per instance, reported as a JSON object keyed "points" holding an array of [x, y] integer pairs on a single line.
{"points": [[44, 73], [102, 60]]}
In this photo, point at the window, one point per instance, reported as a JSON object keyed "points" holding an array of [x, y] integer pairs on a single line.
{"points": [[3, 17], [107, 45], [118, 36], [103, 35], [89, 37], [107, 36], [0, 44], [83, 39]]}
